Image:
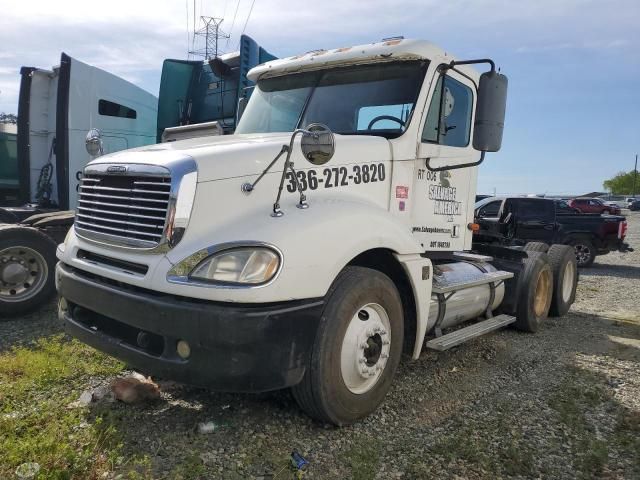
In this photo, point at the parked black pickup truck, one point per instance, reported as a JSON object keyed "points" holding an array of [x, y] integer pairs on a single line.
{"points": [[516, 221]]}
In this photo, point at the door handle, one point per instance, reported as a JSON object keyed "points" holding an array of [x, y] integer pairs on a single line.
{"points": [[548, 227]]}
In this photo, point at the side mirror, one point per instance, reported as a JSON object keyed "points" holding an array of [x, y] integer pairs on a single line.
{"points": [[317, 144], [242, 104], [490, 111], [93, 142]]}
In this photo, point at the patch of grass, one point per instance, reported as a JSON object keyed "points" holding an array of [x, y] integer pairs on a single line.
{"points": [[580, 398], [191, 468], [36, 384], [491, 449], [363, 458]]}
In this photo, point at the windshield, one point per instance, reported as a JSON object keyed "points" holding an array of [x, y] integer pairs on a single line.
{"points": [[363, 100]]}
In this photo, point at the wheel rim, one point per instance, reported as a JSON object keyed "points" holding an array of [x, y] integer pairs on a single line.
{"points": [[567, 281], [23, 273], [583, 253], [365, 348], [541, 298]]}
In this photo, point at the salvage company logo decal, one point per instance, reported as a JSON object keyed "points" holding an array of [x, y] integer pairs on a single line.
{"points": [[444, 197]]}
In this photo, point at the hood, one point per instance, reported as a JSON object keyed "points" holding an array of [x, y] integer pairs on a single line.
{"points": [[231, 156]]}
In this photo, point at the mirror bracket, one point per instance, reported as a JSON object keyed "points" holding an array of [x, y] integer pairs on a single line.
{"points": [[318, 146]]}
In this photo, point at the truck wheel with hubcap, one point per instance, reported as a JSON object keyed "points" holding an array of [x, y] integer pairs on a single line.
{"points": [[565, 278], [584, 250], [535, 292], [536, 247], [357, 348], [27, 265]]}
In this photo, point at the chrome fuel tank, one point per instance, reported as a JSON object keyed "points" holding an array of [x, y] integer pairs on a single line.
{"points": [[464, 304]]}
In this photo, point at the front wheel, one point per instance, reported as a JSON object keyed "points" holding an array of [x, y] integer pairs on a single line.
{"points": [[27, 265], [357, 348]]}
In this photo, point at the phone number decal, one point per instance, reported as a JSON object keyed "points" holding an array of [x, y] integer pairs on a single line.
{"points": [[337, 177]]}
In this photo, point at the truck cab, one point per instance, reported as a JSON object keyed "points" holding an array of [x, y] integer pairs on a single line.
{"points": [[313, 246]]}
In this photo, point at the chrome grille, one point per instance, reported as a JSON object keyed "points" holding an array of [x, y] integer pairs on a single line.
{"points": [[128, 209]]}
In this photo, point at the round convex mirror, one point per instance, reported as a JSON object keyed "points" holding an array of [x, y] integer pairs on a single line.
{"points": [[318, 144], [93, 142]]}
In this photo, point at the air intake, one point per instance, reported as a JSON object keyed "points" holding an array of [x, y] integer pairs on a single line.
{"points": [[124, 205]]}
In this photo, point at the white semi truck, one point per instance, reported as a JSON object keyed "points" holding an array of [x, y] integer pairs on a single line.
{"points": [[331, 233], [75, 112]]}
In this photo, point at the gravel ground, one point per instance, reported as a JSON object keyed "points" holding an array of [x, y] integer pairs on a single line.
{"points": [[562, 403]]}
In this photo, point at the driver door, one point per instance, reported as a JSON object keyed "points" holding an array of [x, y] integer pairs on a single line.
{"points": [[445, 199]]}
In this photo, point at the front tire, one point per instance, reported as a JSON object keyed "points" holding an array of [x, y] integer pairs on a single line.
{"points": [[27, 269], [357, 348]]}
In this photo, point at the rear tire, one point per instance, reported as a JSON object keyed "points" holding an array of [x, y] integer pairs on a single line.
{"points": [[565, 279], [536, 247], [535, 292], [362, 322], [27, 270], [584, 250]]}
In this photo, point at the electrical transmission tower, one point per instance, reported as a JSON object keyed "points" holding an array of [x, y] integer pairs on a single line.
{"points": [[206, 40]]}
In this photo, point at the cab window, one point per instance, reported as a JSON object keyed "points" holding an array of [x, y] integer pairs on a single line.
{"points": [[490, 210], [455, 111], [112, 109]]}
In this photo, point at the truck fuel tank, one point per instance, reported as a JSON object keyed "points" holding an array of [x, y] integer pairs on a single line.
{"points": [[467, 303]]}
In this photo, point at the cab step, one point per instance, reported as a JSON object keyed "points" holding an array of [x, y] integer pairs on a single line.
{"points": [[472, 257], [453, 339], [481, 278]]}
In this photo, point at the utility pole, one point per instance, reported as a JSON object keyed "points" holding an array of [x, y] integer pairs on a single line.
{"points": [[635, 174]]}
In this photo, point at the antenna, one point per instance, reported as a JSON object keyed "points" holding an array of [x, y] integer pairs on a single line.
{"points": [[206, 40]]}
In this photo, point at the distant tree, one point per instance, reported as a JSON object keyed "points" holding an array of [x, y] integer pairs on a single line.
{"points": [[8, 118], [622, 183]]}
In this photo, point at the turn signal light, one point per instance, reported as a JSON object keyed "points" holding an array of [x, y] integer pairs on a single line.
{"points": [[474, 227]]}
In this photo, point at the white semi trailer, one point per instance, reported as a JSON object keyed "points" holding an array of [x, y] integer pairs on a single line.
{"points": [[331, 233]]}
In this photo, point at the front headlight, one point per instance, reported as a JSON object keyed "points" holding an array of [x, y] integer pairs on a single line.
{"points": [[243, 265]]}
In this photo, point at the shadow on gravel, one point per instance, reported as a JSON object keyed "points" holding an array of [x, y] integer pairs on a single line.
{"points": [[610, 270], [29, 328]]}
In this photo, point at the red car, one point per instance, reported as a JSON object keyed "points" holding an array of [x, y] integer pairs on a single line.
{"points": [[593, 205]]}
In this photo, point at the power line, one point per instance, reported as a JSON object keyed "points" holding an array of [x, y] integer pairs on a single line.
{"points": [[245, 23], [186, 4], [233, 22]]}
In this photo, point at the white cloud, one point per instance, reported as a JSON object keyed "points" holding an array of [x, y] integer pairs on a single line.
{"points": [[131, 37]]}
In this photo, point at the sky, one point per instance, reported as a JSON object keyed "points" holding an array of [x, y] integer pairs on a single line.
{"points": [[573, 112]]}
